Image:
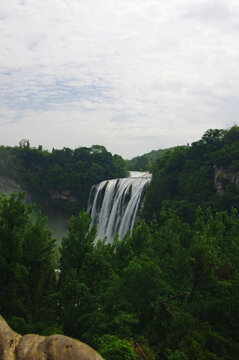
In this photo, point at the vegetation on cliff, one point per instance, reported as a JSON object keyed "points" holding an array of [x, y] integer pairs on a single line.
{"points": [[145, 161], [184, 178], [60, 179]]}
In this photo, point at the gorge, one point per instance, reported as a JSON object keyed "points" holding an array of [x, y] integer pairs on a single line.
{"points": [[167, 291], [114, 204]]}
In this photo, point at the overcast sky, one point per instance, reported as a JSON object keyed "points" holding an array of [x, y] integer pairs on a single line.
{"points": [[132, 75]]}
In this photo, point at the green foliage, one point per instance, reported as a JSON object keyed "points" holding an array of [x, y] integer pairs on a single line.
{"points": [[60, 179], [77, 244], [26, 264], [184, 178], [13, 221], [145, 162], [169, 291], [176, 355], [193, 265], [112, 347], [76, 298]]}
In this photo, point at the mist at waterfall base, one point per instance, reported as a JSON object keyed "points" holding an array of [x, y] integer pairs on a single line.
{"points": [[114, 204]]}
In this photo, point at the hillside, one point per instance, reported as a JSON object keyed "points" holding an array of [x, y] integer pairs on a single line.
{"points": [[61, 179], [205, 173], [58, 182], [145, 162]]}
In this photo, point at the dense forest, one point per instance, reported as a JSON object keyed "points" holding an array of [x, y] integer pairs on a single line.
{"points": [[186, 177], [168, 291], [60, 179]]}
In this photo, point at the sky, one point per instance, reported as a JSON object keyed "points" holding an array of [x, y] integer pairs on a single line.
{"points": [[132, 75]]}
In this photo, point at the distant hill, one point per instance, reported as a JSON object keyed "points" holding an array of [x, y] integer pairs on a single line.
{"points": [[145, 161]]}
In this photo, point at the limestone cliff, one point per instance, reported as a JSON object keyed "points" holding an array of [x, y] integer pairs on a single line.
{"points": [[9, 186], [34, 347], [223, 177]]}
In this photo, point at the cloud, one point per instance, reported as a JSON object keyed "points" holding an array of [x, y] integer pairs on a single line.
{"points": [[132, 75], [213, 11]]}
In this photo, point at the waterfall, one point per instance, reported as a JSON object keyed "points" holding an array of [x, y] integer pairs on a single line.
{"points": [[113, 204]]}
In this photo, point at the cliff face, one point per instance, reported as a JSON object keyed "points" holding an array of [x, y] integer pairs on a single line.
{"points": [[55, 347], [223, 177], [9, 186]]}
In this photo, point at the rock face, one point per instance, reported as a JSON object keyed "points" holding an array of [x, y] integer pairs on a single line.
{"points": [[34, 347], [9, 186], [224, 176], [9, 341]]}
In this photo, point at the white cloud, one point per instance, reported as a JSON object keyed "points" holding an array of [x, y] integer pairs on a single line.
{"points": [[132, 75]]}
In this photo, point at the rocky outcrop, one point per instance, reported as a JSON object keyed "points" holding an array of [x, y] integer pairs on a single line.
{"points": [[9, 341], [223, 177], [34, 347], [9, 186], [64, 195]]}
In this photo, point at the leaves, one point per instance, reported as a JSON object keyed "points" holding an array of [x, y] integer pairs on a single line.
{"points": [[26, 261]]}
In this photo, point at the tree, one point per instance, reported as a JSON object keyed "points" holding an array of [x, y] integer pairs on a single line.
{"points": [[213, 138], [13, 222], [112, 347], [76, 300], [78, 242], [26, 266], [39, 257]]}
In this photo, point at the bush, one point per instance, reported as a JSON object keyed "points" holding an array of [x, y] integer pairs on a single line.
{"points": [[113, 348]]}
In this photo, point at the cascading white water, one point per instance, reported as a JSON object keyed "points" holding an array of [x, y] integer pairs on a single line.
{"points": [[113, 204]]}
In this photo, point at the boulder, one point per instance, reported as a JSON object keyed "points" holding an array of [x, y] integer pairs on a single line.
{"points": [[9, 341], [34, 347]]}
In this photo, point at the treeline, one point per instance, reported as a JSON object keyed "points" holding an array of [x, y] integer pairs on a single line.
{"points": [[60, 179], [185, 178], [145, 162], [169, 291]]}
